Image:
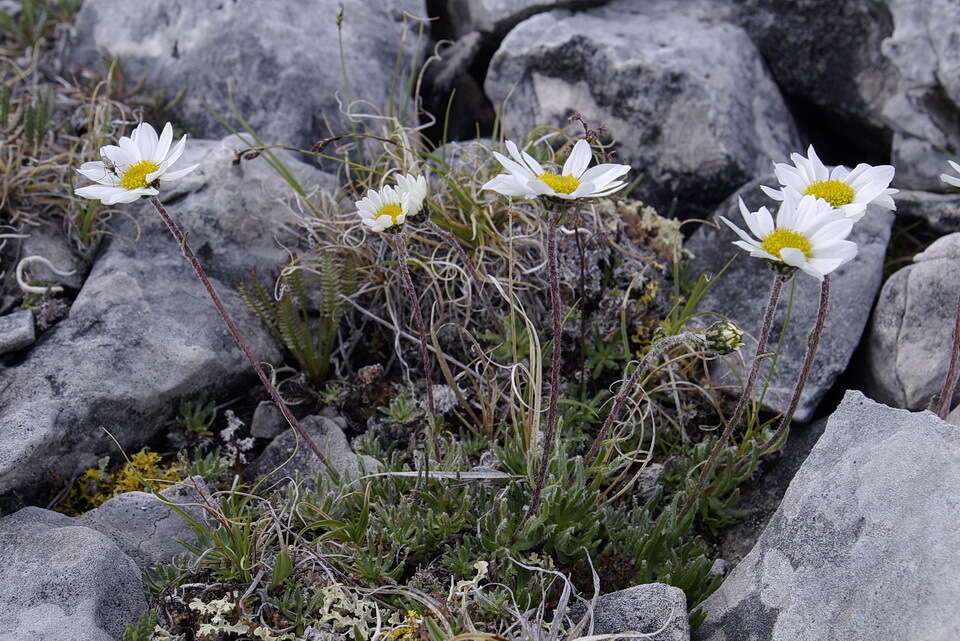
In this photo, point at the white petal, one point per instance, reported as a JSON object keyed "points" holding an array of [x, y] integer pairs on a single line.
{"points": [[578, 160], [742, 234], [790, 177], [98, 172], [792, 256], [117, 156], [950, 180], [515, 168], [146, 138], [175, 175], [833, 230], [133, 151], [600, 175], [163, 145], [776, 194], [750, 247], [97, 192], [820, 171], [532, 163]]}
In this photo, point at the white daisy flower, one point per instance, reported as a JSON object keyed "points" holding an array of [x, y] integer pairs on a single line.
{"points": [[527, 178], [132, 168], [416, 186], [952, 180], [849, 191], [381, 210], [808, 234]]}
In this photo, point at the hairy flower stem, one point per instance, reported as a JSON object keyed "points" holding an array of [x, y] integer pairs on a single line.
{"points": [[550, 434], [812, 341], [656, 350], [953, 370], [421, 326], [778, 280], [457, 247], [218, 303]]}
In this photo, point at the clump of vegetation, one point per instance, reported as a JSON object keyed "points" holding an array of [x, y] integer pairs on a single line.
{"points": [[450, 504], [143, 472]]}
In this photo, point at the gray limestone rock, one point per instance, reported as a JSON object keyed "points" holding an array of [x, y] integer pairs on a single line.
{"points": [[685, 93], [267, 421], [912, 328], [850, 78], [53, 244], [741, 294], [864, 545], [63, 582], [328, 434], [16, 331], [648, 608], [145, 527], [499, 16], [761, 495], [940, 211], [924, 111], [142, 332], [277, 63]]}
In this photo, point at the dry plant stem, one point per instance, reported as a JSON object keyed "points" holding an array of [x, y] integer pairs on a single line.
{"points": [[418, 317], [953, 371], [778, 280], [554, 368], [649, 359], [812, 343], [457, 247], [202, 275]]}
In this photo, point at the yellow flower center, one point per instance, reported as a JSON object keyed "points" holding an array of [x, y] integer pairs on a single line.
{"points": [[835, 192], [560, 184], [135, 176], [393, 210], [783, 238]]}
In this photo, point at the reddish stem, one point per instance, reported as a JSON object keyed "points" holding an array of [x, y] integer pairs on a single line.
{"points": [[218, 303], [778, 280], [953, 370]]}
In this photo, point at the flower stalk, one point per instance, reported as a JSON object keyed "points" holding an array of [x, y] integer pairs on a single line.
{"points": [[812, 342], [404, 257], [953, 370], [232, 327], [550, 434], [780, 277]]}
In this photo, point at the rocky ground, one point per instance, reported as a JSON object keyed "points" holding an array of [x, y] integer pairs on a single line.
{"points": [[857, 540]]}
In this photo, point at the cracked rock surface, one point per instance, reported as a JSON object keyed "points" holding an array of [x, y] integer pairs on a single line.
{"points": [[864, 544]]}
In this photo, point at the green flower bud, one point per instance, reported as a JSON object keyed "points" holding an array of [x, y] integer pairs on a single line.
{"points": [[723, 337]]}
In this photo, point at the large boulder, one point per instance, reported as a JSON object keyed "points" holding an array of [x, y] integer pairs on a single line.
{"points": [[912, 328], [279, 64], [497, 17], [741, 295], [63, 582], [146, 526], [940, 211], [864, 545], [685, 93], [924, 111], [142, 331], [828, 53]]}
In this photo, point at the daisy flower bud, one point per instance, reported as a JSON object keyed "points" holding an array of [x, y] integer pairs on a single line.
{"points": [[808, 234], [384, 210], [952, 180], [723, 337], [528, 179], [134, 167], [848, 191]]}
